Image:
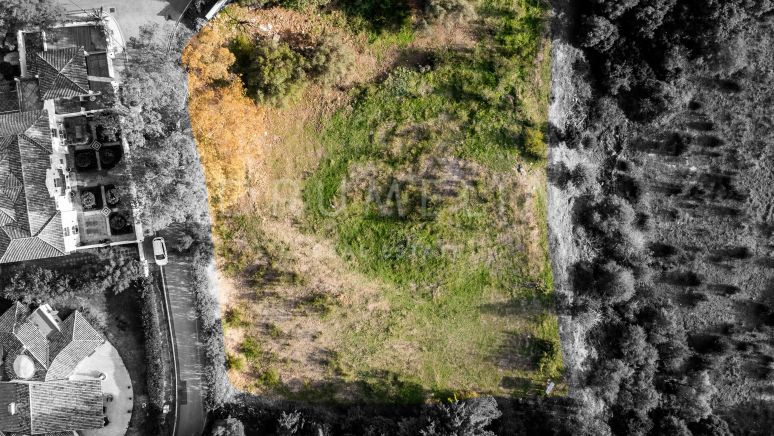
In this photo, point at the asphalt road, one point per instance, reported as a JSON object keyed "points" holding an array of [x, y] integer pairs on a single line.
{"points": [[177, 276]]}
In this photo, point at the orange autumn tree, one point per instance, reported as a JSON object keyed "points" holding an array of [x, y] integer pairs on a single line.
{"points": [[227, 124]]}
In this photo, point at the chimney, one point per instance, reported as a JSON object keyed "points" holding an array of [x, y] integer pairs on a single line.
{"points": [[12, 408]]}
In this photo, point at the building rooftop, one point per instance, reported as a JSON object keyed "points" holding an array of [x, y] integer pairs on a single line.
{"points": [[49, 407], [61, 73], [30, 224], [40, 352]]}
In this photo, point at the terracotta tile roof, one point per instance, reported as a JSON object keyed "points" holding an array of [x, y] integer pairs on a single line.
{"points": [[66, 405], [14, 315], [61, 73], [59, 354], [30, 225], [51, 407], [75, 342], [19, 394]]}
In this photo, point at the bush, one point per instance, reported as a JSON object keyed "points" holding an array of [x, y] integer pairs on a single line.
{"points": [[470, 417], [156, 354], [294, 4], [270, 71], [535, 143], [250, 348], [111, 271], [606, 281], [331, 60], [377, 16], [228, 427], [235, 362], [449, 11], [269, 378]]}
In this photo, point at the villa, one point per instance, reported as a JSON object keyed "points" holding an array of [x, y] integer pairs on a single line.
{"points": [[39, 392], [59, 191]]}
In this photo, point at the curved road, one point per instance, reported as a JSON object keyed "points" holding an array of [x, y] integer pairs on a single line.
{"points": [[176, 278]]}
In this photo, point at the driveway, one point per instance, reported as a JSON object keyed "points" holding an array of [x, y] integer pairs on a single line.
{"points": [[177, 276], [132, 14]]}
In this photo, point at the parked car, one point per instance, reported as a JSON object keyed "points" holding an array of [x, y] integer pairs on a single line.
{"points": [[160, 251]]}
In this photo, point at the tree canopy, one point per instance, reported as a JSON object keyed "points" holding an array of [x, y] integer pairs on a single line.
{"points": [[19, 14]]}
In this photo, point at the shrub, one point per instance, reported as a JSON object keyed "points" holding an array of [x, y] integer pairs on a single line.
{"points": [[607, 281], [535, 142], [228, 427], [250, 348], [331, 60], [470, 417], [155, 352], [234, 318], [377, 16], [294, 4], [235, 362], [207, 308], [289, 423], [271, 71], [449, 11], [269, 378]]}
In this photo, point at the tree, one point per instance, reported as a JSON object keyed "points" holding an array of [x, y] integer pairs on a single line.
{"points": [[169, 181], [20, 14], [154, 89], [290, 423], [228, 427], [710, 426], [207, 59], [470, 418], [270, 70], [607, 281], [601, 34]]}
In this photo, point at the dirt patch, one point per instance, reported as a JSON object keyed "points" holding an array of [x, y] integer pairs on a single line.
{"points": [[294, 322]]}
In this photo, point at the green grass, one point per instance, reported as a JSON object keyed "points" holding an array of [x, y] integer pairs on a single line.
{"points": [[443, 252], [417, 190]]}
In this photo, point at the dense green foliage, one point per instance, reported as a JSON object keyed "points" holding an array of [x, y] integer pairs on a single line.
{"points": [[228, 427], [21, 14], [110, 271], [271, 71], [274, 71], [156, 354], [656, 361], [164, 162]]}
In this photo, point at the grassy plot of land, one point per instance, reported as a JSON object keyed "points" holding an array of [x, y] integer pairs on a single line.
{"points": [[391, 242]]}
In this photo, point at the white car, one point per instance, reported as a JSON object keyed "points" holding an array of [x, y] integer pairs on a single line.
{"points": [[160, 251]]}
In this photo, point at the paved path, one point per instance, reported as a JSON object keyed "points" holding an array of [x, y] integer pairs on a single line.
{"points": [[177, 276]]}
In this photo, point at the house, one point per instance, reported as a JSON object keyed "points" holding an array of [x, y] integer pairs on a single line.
{"points": [[40, 353], [35, 201], [50, 140]]}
